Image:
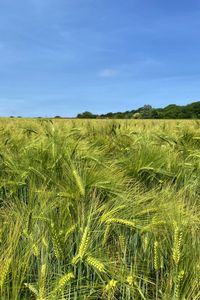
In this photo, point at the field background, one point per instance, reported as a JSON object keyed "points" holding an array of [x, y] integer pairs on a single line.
{"points": [[99, 209]]}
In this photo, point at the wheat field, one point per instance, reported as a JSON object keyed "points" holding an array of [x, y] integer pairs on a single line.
{"points": [[99, 209]]}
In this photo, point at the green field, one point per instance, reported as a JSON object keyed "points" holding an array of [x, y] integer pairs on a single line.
{"points": [[99, 209]]}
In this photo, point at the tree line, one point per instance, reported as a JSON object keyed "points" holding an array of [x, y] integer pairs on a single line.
{"points": [[172, 111]]}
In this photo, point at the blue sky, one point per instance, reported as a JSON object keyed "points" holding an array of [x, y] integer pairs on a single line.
{"points": [[62, 57]]}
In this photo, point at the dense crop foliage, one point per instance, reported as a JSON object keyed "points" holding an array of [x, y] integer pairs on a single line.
{"points": [[99, 210]]}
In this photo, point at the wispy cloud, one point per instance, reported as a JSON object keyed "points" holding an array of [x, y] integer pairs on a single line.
{"points": [[109, 72]]}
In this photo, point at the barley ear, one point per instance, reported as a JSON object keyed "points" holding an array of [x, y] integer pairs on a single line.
{"points": [[32, 288], [177, 245], [95, 263], [63, 281], [84, 244], [79, 182], [121, 222], [4, 271]]}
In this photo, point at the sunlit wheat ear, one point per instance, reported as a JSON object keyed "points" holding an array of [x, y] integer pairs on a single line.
{"points": [[106, 234], [70, 231], [130, 280], [156, 258], [108, 215], [56, 242], [122, 241], [145, 243], [177, 245], [121, 222], [4, 270], [153, 225], [63, 281], [42, 281], [178, 284], [95, 263], [84, 243], [79, 182], [110, 289], [32, 288]]}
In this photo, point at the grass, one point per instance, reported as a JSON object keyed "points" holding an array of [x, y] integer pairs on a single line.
{"points": [[99, 209]]}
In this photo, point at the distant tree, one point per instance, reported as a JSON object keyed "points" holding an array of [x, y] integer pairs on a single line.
{"points": [[86, 115], [109, 115], [147, 107], [119, 115], [154, 114], [172, 111], [137, 115], [57, 117], [146, 111]]}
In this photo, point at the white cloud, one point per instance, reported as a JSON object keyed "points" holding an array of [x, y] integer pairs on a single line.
{"points": [[108, 72]]}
